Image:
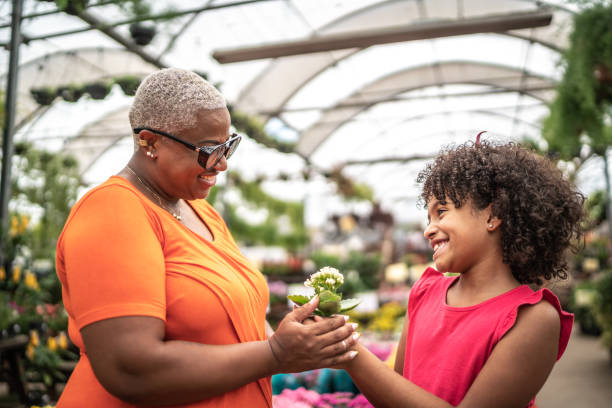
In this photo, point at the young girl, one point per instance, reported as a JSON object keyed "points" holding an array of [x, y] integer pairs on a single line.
{"points": [[502, 217]]}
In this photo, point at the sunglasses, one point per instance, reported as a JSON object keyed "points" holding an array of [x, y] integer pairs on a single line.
{"points": [[208, 156]]}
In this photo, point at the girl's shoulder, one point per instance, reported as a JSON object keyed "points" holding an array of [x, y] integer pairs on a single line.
{"points": [[431, 283], [540, 310]]}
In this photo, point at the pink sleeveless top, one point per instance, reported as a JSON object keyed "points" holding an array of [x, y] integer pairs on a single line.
{"points": [[446, 347]]}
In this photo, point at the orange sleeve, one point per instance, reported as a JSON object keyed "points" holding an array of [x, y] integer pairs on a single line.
{"points": [[113, 258]]}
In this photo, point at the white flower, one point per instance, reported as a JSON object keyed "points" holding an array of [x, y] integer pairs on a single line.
{"points": [[327, 278]]}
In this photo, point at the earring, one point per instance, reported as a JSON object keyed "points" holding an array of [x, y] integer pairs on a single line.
{"points": [[490, 225]]}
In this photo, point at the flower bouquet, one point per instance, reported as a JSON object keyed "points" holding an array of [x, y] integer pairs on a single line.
{"points": [[325, 283]]}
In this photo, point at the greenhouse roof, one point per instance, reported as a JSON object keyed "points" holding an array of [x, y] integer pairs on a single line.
{"points": [[374, 87]]}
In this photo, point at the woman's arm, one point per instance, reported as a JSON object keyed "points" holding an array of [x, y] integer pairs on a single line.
{"points": [[514, 373], [133, 362]]}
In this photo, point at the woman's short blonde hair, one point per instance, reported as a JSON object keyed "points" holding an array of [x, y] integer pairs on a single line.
{"points": [[171, 98]]}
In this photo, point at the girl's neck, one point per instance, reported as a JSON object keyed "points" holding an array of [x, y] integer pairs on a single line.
{"points": [[480, 284]]}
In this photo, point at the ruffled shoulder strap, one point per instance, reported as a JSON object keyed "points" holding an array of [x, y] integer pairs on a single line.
{"points": [[567, 319]]}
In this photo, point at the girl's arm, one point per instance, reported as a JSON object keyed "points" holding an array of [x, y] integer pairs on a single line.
{"points": [[401, 349], [514, 373], [131, 359]]}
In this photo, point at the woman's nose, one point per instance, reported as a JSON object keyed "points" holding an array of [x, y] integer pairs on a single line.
{"points": [[221, 164]]}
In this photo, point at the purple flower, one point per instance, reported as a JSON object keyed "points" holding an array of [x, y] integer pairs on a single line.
{"points": [[278, 288]]}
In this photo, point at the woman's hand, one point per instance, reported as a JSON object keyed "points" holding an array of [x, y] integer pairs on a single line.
{"points": [[299, 347]]}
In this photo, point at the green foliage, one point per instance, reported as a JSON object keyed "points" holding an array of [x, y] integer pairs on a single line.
{"points": [[361, 271], [603, 306], [584, 94], [255, 130], [266, 233], [582, 305], [595, 207], [49, 182]]}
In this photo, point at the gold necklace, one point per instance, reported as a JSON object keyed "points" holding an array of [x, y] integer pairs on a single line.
{"points": [[176, 214]]}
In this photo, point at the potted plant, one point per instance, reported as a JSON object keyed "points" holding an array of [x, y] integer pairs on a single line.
{"points": [[128, 83], [74, 7], [603, 308], [43, 96], [70, 93], [97, 90], [142, 34]]}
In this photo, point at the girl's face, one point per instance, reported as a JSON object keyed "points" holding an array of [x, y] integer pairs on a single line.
{"points": [[460, 237]]}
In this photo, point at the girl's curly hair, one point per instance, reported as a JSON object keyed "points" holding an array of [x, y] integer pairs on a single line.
{"points": [[541, 212]]}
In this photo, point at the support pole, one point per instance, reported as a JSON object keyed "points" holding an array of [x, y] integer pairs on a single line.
{"points": [[9, 121]]}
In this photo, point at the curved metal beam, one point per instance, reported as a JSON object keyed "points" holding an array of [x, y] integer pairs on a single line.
{"points": [[414, 78], [250, 99]]}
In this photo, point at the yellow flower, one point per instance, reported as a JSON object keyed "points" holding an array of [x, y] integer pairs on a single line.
{"points": [[62, 340], [16, 273], [34, 339], [52, 343], [2, 273], [14, 226], [30, 352], [31, 281], [25, 221]]}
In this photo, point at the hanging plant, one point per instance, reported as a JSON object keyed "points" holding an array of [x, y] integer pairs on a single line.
{"points": [[584, 95], [347, 188], [43, 96], [255, 130], [74, 7], [98, 90], [70, 93], [142, 34], [128, 83]]}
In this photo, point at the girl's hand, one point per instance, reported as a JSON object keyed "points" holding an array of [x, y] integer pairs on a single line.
{"points": [[298, 347]]}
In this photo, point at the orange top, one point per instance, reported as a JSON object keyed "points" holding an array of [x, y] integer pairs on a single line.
{"points": [[121, 255]]}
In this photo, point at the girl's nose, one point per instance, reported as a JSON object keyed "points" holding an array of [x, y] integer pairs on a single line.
{"points": [[430, 230]]}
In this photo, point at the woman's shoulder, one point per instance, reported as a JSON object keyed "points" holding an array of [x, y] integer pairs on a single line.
{"points": [[114, 200]]}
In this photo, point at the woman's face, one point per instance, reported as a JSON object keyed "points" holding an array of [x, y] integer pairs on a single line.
{"points": [[181, 175]]}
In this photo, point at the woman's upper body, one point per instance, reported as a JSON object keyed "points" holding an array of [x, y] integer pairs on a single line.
{"points": [[501, 217], [165, 309]]}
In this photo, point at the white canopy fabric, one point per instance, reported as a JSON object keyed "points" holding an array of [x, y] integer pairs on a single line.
{"points": [[380, 111]]}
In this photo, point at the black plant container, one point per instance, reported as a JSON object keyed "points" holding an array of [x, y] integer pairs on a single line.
{"points": [[43, 96], [75, 7], [142, 34], [70, 93], [128, 84], [97, 90]]}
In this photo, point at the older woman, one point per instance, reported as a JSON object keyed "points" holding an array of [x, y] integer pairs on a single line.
{"points": [[161, 303]]}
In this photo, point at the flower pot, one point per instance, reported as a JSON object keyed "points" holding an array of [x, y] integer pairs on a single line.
{"points": [[75, 7], [97, 90], [70, 93], [43, 96], [128, 84], [142, 34]]}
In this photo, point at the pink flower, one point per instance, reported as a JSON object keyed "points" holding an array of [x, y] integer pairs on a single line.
{"points": [[360, 402]]}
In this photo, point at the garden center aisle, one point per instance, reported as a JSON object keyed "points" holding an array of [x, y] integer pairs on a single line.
{"points": [[582, 378]]}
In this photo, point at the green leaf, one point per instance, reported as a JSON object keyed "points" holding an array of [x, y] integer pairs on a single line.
{"points": [[299, 299], [349, 304]]}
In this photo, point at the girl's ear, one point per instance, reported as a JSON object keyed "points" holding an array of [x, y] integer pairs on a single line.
{"points": [[493, 223]]}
